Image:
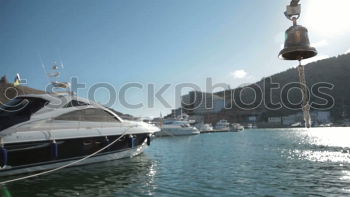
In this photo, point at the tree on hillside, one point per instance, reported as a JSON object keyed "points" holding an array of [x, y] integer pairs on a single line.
{"points": [[4, 79]]}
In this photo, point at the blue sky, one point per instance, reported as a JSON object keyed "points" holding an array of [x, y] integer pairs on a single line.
{"points": [[159, 41]]}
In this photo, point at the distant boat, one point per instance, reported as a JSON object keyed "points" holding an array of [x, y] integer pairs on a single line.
{"points": [[251, 126], [222, 126], [326, 125], [177, 128], [204, 127], [297, 124], [237, 127], [225, 126]]}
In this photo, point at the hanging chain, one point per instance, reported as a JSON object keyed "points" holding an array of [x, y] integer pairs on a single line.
{"points": [[305, 95]]}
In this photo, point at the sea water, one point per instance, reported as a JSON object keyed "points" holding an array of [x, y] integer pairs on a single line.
{"points": [[257, 162]]}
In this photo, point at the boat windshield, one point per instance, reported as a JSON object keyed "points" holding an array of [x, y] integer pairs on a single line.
{"points": [[19, 110], [185, 125]]}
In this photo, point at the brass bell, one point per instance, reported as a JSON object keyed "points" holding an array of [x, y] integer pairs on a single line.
{"points": [[297, 44]]}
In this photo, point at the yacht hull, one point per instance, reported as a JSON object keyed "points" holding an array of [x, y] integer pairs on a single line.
{"points": [[177, 132], [41, 156]]}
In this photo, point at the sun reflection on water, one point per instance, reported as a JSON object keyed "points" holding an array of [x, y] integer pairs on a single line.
{"points": [[150, 183], [346, 175], [322, 145], [322, 156], [338, 137]]}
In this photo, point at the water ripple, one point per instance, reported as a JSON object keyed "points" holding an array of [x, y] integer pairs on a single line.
{"points": [[294, 162]]}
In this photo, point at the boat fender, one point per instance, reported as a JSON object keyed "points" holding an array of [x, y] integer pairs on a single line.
{"points": [[148, 140], [133, 142], [54, 149], [4, 157]]}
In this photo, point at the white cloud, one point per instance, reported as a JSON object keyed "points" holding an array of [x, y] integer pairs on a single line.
{"points": [[348, 51], [239, 74], [319, 44], [314, 59]]}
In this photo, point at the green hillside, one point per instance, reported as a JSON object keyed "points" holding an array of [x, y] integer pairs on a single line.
{"points": [[335, 70]]}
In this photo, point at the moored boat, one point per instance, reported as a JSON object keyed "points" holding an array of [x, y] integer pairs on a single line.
{"points": [[222, 126], [236, 127], [177, 128], [39, 132], [204, 128]]}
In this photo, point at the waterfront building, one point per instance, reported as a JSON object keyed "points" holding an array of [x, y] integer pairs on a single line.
{"points": [[320, 117], [202, 103]]}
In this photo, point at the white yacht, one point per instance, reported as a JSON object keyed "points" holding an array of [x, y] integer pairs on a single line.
{"points": [[222, 126], [177, 128], [251, 126], [204, 127], [237, 127], [39, 132]]}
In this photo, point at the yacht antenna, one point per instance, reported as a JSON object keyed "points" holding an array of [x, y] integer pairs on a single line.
{"points": [[161, 119], [61, 60], [55, 75], [181, 112], [43, 66]]}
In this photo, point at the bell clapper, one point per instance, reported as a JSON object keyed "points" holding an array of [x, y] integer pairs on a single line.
{"points": [[305, 95]]}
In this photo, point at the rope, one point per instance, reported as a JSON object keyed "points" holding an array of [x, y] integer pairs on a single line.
{"points": [[305, 95], [67, 165]]}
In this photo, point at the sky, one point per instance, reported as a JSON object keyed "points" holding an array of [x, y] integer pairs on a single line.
{"points": [[158, 42]]}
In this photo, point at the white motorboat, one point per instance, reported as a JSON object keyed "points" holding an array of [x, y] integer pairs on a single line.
{"points": [[237, 127], [39, 132], [251, 126], [177, 128], [204, 127], [222, 126]]}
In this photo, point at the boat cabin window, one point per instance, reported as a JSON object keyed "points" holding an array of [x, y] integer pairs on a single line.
{"points": [[19, 110], [75, 103], [90, 115]]}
